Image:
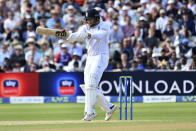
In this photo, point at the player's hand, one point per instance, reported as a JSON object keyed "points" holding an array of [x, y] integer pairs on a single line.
{"points": [[89, 36], [63, 31]]}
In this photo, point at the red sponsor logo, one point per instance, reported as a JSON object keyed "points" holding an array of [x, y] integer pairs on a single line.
{"points": [[67, 87]]}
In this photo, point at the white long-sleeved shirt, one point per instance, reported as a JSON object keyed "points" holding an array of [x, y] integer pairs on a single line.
{"points": [[161, 23], [98, 43]]}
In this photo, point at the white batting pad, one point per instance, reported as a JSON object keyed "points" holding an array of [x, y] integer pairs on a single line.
{"points": [[82, 86], [90, 99], [102, 101]]}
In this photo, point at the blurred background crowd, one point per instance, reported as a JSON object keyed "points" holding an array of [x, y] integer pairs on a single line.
{"points": [[145, 34]]}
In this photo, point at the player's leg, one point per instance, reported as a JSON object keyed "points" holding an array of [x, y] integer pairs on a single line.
{"points": [[100, 98], [109, 108], [82, 86], [90, 90]]}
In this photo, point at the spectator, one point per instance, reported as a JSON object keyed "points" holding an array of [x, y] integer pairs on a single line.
{"points": [[55, 18], [185, 64], [177, 38], [140, 64], [63, 57], [159, 4], [185, 32], [3, 54], [30, 31], [72, 3], [17, 59], [150, 65], [47, 59], [167, 45], [108, 17], [135, 38], [163, 58], [71, 12], [122, 18], [185, 10], [174, 22], [28, 64], [172, 60], [150, 4], [97, 3], [32, 51], [33, 67], [188, 23], [75, 64], [138, 48], [116, 34], [157, 34], [178, 66], [127, 48], [143, 27], [72, 25], [172, 9], [57, 47], [161, 22], [151, 40], [75, 48], [154, 14], [128, 28], [169, 31], [143, 4], [133, 66], [3, 9], [139, 13], [144, 56], [184, 49], [192, 6], [9, 24], [125, 61], [45, 49], [45, 68]]}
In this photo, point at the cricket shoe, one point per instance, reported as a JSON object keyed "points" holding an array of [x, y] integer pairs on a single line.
{"points": [[109, 114], [89, 117]]}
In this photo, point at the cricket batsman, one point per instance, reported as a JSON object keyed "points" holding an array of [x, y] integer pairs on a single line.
{"points": [[96, 34]]}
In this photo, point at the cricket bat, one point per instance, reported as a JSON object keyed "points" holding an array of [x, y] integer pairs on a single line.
{"points": [[51, 32]]}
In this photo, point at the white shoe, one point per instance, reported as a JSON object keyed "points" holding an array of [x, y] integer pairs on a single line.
{"points": [[109, 114], [89, 117]]}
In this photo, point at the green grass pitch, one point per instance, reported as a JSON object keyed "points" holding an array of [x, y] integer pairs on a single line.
{"points": [[144, 115]]}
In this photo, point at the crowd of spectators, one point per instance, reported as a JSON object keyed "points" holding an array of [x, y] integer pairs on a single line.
{"points": [[145, 34]]}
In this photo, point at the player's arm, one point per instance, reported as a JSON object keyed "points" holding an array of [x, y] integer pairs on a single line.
{"points": [[80, 35]]}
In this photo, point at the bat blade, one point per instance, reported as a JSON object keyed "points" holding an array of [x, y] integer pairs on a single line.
{"points": [[50, 32]]}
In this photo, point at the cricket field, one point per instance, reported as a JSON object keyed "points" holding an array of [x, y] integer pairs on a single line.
{"points": [[67, 117]]}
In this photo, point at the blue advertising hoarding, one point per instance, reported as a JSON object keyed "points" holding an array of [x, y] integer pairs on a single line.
{"points": [[151, 83], [186, 99], [60, 84], [144, 83]]}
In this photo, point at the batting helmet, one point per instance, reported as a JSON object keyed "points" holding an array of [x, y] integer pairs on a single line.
{"points": [[92, 13]]}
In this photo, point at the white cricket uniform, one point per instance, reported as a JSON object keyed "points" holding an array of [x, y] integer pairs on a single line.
{"points": [[96, 63], [97, 49]]}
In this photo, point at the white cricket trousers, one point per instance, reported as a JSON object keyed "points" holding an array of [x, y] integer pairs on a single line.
{"points": [[95, 66]]}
